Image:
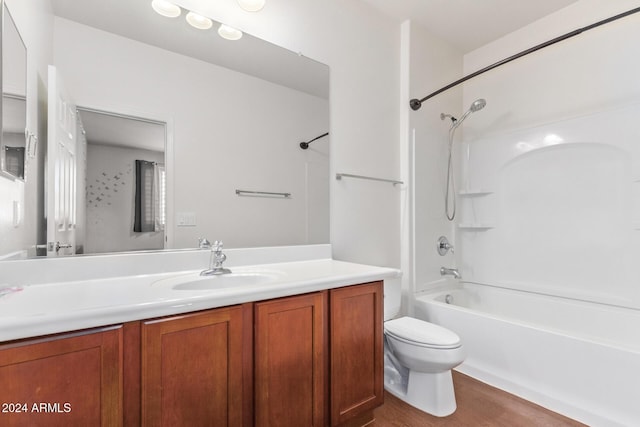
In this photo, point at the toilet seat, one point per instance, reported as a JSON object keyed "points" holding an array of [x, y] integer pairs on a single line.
{"points": [[420, 333]]}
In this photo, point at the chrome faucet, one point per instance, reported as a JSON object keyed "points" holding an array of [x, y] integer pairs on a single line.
{"points": [[215, 261], [451, 271], [203, 243]]}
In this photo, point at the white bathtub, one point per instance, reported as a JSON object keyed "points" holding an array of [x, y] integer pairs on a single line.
{"points": [[576, 358]]}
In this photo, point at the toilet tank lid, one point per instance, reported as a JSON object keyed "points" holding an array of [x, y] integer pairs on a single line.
{"points": [[421, 332]]}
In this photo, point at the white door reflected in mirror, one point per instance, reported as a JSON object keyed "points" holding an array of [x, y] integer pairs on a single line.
{"points": [[62, 178]]}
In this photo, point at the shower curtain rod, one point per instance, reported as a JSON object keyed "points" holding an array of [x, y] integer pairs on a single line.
{"points": [[417, 103]]}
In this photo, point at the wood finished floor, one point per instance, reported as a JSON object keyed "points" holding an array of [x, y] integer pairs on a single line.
{"points": [[479, 405]]}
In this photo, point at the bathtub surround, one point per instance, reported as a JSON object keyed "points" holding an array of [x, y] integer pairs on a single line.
{"points": [[516, 109], [547, 206], [584, 203]]}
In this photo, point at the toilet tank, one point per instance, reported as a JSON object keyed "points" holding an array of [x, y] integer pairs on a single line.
{"points": [[392, 297]]}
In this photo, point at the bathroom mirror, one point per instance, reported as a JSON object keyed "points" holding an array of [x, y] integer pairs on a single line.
{"points": [[235, 114], [112, 146], [13, 150]]}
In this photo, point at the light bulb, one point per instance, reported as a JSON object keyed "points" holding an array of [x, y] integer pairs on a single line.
{"points": [[251, 5], [198, 21], [229, 33], [165, 8]]}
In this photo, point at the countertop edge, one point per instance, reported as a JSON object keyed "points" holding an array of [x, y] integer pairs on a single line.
{"points": [[18, 328]]}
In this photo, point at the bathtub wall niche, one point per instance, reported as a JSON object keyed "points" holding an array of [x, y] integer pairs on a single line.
{"points": [[549, 184]]}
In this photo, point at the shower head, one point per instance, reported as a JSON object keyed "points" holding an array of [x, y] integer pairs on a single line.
{"points": [[476, 105]]}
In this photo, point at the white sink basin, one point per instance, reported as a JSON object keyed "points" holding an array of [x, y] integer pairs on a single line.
{"points": [[195, 282]]}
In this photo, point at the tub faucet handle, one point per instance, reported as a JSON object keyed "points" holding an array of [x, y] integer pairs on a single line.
{"points": [[444, 246]]}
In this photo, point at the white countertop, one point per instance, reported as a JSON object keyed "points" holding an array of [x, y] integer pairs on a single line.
{"points": [[40, 309]]}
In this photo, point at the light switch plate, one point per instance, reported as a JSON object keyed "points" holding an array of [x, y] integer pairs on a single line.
{"points": [[186, 219]]}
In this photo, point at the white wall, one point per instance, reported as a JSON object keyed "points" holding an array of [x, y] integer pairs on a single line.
{"points": [[557, 148], [362, 49], [111, 189], [34, 21], [211, 122]]}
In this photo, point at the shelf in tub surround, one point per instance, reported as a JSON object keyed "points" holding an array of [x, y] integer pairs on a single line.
{"points": [[475, 227], [474, 193]]}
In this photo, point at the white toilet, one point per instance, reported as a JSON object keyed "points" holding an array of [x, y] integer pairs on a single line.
{"points": [[418, 359]]}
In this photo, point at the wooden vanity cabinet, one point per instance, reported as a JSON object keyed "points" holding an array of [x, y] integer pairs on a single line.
{"points": [[305, 360], [291, 361], [357, 369], [319, 358], [194, 367], [63, 380]]}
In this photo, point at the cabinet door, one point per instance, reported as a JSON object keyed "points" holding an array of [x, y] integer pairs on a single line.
{"points": [[290, 361], [65, 380], [192, 369], [356, 352]]}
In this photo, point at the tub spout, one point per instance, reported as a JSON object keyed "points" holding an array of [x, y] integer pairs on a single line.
{"points": [[450, 271]]}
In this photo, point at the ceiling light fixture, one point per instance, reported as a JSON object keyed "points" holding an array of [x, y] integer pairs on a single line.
{"points": [[165, 8], [229, 33], [198, 21], [251, 5]]}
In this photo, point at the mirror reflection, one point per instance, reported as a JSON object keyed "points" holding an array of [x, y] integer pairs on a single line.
{"points": [[14, 119], [125, 178], [232, 115]]}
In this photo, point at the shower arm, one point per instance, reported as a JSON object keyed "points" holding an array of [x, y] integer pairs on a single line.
{"points": [[305, 145]]}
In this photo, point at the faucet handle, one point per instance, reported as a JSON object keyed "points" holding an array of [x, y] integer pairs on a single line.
{"points": [[217, 255], [203, 243], [444, 246]]}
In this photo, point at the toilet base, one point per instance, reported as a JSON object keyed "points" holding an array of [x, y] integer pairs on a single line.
{"points": [[431, 393]]}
